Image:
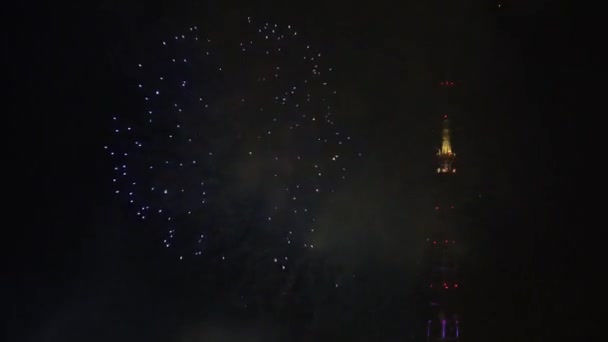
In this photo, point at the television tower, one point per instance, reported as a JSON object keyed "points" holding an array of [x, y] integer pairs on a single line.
{"points": [[443, 284]]}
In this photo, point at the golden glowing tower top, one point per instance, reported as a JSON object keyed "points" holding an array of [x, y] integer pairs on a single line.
{"points": [[445, 154]]}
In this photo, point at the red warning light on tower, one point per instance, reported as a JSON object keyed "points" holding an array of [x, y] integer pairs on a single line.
{"points": [[446, 83]]}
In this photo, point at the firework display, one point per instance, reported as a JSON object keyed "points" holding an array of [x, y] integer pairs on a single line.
{"points": [[235, 139]]}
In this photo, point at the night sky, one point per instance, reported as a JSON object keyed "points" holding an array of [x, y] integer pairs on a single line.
{"points": [[87, 268]]}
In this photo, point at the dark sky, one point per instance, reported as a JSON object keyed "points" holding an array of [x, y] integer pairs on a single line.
{"points": [[82, 272]]}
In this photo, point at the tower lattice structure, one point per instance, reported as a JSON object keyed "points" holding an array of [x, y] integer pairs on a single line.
{"points": [[443, 283]]}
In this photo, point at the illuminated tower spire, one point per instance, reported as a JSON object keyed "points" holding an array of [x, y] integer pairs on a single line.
{"points": [[445, 154]]}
